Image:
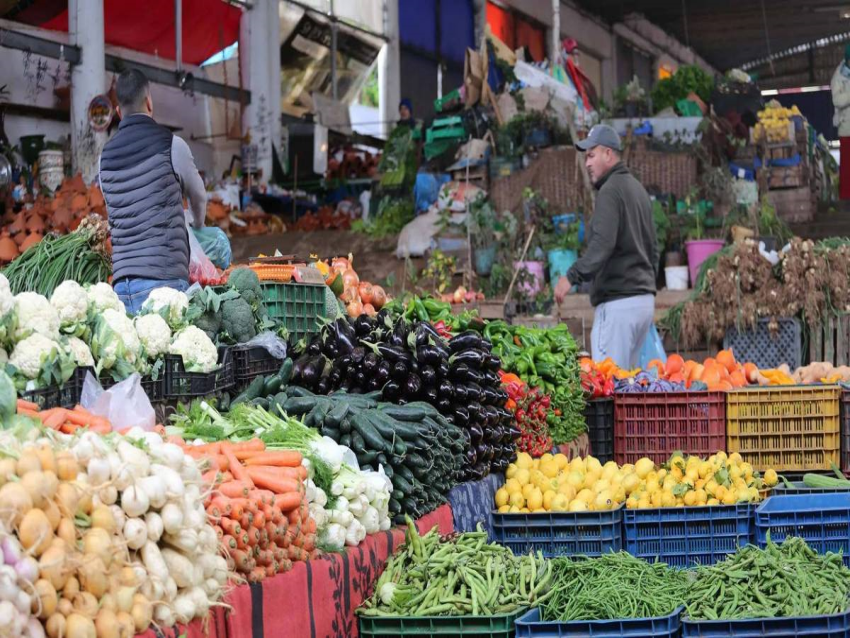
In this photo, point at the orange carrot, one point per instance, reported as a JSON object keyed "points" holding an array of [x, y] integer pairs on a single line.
{"points": [[259, 520], [55, 420], [237, 507], [240, 557], [268, 480], [68, 428], [231, 527], [242, 540], [27, 412], [284, 458], [203, 450], [257, 574], [309, 542], [229, 543], [210, 477], [235, 467], [253, 444], [23, 404], [289, 503], [310, 526], [177, 440], [246, 520], [262, 496], [235, 489], [253, 536], [223, 504], [226, 477]]}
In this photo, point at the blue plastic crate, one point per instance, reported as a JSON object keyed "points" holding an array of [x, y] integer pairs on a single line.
{"points": [[834, 626], [798, 487], [561, 533], [822, 520], [687, 536], [530, 625]]}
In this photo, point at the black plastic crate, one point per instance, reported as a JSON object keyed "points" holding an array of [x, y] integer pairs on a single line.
{"points": [[599, 417], [181, 384], [65, 396], [767, 350], [250, 362], [155, 389]]}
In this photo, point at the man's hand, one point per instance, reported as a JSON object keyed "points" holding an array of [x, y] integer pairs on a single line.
{"points": [[562, 289]]}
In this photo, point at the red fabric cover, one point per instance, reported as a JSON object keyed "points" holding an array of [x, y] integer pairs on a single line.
{"points": [[501, 23], [580, 447], [208, 26], [844, 170], [217, 628], [318, 597]]}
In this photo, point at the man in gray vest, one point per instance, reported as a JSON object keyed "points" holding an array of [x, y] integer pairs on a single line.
{"points": [[145, 171]]}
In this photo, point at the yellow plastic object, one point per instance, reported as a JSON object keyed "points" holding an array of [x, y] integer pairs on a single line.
{"points": [[789, 428], [274, 272]]}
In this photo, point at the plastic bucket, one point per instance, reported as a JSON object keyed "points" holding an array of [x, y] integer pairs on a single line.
{"points": [[676, 277], [698, 252], [560, 262], [534, 280], [484, 258]]}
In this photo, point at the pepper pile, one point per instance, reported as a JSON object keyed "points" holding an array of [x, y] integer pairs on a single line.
{"points": [[439, 313], [530, 408], [545, 359], [595, 385]]}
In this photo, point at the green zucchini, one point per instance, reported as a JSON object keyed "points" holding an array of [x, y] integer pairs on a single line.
{"points": [[253, 390], [298, 391], [405, 412], [259, 402], [336, 414], [331, 433], [367, 430], [357, 442], [285, 372], [345, 425], [345, 439], [297, 405], [391, 428], [272, 385]]}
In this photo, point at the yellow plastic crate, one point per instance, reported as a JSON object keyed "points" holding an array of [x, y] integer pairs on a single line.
{"points": [[788, 428]]}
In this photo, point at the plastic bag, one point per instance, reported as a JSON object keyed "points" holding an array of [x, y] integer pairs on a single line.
{"points": [[200, 267], [125, 404], [273, 344], [215, 245], [653, 348]]}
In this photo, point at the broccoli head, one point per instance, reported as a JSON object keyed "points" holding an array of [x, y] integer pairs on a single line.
{"points": [[247, 283], [210, 323], [237, 320]]}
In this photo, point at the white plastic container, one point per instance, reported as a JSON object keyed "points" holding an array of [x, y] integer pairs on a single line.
{"points": [[676, 277], [51, 169]]}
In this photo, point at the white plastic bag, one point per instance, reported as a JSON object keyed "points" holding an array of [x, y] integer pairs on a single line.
{"points": [[125, 404]]}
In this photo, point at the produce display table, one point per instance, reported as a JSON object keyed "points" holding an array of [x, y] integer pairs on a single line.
{"points": [[472, 503], [318, 598], [196, 629]]}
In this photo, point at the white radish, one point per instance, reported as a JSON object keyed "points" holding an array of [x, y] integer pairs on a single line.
{"points": [[172, 518], [135, 533], [135, 501], [155, 526]]}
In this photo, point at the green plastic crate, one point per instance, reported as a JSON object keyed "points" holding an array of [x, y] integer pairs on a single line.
{"points": [[501, 626], [295, 306]]}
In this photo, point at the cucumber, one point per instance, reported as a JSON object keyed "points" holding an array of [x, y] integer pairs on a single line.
{"points": [[297, 405], [336, 414], [415, 462], [316, 417], [388, 470], [357, 442], [345, 425], [400, 483], [394, 506], [374, 395], [382, 459], [370, 435], [345, 439], [276, 404], [253, 390], [298, 391], [331, 433], [399, 447], [405, 412], [389, 426], [285, 372], [272, 385], [366, 457], [404, 471], [259, 402], [397, 494]]}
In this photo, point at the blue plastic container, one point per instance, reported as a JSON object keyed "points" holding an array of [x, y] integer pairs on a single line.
{"points": [[484, 259], [560, 262], [834, 626], [822, 520], [687, 536], [560, 533], [530, 625]]}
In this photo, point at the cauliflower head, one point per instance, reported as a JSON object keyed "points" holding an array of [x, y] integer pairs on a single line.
{"points": [[70, 301], [8, 316], [154, 334], [79, 352], [170, 303], [101, 297], [115, 344], [32, 353], [35, 314], [197, 349]]}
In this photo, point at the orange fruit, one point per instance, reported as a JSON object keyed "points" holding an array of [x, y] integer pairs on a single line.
{"points": [[751, 372], [678, 377], [709, 362], [738, 379], [675, 364], [727, 359], [710, 376], [696, 372], [724, 386]]}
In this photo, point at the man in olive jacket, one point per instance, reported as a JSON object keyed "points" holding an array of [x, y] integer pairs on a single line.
{"points": [[622, 254]]}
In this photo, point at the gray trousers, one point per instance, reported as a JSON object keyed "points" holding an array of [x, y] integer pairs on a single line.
{"points": [[620, 328]]}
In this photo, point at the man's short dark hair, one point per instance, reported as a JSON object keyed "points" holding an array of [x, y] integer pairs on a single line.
{"points": [[132, 89]]}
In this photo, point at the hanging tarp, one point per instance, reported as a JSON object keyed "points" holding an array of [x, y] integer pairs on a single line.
{"points": [[148, 27]]}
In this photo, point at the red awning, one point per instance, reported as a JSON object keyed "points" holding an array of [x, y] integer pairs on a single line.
{"points": [[208, 25]]}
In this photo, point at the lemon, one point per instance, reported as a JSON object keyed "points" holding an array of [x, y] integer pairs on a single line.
{"points": [[591, 477], [692, 474], [713, 501], [632, 503], [525, 510], [653, 488], [516, 500], [701, 497], [747, 469], [643, 467], [603, 501], [539, 510], [523, 476], [575, 479], [568, 491], [690, 498], [560, 503], [561, 460], [735, 458], [527, 489], [630, 483], [662, 474], [549, 469], [720, 492], [644, 504], [535, 499], [577, 465], [744, 495], [546, 458], [514, 509], [600, 485], [735, 473], [711, 487], [730, 498], [511, 471], [667, 499], [705, 469], [655, 499], [548, 499], [628, 468], [535, 464], [578, 506], [770, 478], [619, 495], [504, 509], [593, 465], [585, 495], [523, 460], [502, 497]]}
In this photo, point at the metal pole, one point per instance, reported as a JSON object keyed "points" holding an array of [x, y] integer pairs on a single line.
{"points": [[334, 93], [555, 44], [178, 33]]}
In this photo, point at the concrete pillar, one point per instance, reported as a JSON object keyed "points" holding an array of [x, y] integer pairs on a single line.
{"points": [[255, 61], [274, 73], [88, 79], [479, 9], [555, 40], [389, 69]]}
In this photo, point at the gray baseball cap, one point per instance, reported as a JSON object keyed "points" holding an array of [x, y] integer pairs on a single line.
{"points": [[600, 135]]}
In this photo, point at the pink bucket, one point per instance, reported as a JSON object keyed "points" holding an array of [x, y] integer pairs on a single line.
{"points": [[536, 270], [698, 251]]}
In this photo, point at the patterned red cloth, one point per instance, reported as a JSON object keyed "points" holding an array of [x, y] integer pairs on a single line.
{"points": [[217, 629], [318, 598]]}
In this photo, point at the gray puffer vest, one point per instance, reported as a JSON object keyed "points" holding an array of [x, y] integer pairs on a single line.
{"points": [[145, 202]]}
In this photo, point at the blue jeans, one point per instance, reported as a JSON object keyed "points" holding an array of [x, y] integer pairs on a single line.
{"points": [[134, 291]]}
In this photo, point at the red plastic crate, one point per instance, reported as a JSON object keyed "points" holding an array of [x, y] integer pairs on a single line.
{"points": [[656, 424]]}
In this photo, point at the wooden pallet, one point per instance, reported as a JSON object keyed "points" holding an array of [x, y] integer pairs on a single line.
{"points": [[832, 342], [787, 176]]}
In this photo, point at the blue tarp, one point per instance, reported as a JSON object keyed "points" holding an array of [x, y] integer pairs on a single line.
{"points": [[427, 189], [418, 21]]}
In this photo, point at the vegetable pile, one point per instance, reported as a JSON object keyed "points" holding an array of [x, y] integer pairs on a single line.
{"points": [[439, 313], [530, 407], [545, 359], [112, 530], [359, 297], [612, 587], [411, 362], [779, 581], [456, 576]]}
